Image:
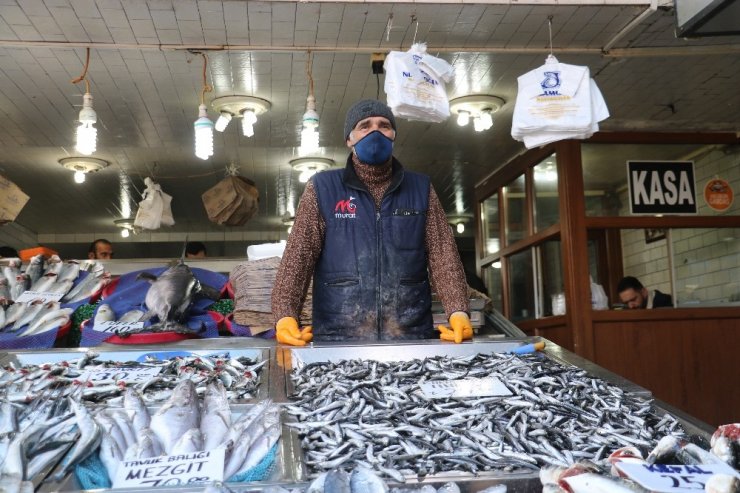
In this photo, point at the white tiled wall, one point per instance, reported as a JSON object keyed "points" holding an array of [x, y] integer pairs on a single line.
{"points": [[706, 261]]}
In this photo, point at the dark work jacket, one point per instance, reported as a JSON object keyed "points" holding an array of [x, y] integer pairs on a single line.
{"points": [[370, 281], [662, 300]]}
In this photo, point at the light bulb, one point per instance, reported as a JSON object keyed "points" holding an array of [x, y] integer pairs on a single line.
{"points": [[309, 141], [203, 134], [247, 129], [310, 133], [306, 175], [249, 116], [463, 117], [223, 121], [478, 124], [487, 119], [460, 228], [496, 265], [87, 135], [86, 132], [79, 176], [124, 232]]}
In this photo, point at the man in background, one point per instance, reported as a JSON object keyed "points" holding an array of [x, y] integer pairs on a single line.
{"points": [[195, 249], [100, 249], [634, 295]]}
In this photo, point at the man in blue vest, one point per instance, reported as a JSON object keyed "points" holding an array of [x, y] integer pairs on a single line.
{"points": [[375, 238]]}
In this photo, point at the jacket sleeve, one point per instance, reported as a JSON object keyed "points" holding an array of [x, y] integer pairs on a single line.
{"points": [[299, 259], [445, 267]]}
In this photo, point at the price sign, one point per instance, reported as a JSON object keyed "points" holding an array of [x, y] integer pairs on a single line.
{"points": [[171, 470], [662, 478], [466, 387], [113, 327], [27, 296], [128, 374]]}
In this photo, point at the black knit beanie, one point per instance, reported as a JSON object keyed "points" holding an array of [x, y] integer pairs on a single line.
{"points": [[365, 109]]}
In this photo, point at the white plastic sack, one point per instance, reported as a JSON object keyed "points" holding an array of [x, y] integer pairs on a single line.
{"points": [[265, 250], [155, 209], [599, 300], [413, 89]]}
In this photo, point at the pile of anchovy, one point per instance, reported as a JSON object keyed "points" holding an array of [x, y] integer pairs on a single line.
{"points": [[363, 412], [23, 384]]}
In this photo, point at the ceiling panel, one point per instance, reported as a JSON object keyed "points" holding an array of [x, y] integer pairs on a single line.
{"points": [[146, 96]]}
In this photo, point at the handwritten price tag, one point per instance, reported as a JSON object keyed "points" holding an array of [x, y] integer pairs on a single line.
{"points": [[27, 296], [171, 470], [466, 387], [662, 478], [128, 374], [113, 327]]}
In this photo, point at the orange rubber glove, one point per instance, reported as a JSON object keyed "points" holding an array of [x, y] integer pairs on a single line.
{"points": [[461, 328], [287, 332]]}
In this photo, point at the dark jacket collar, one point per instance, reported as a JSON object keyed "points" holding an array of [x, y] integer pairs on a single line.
{"points": [[351, 179]]}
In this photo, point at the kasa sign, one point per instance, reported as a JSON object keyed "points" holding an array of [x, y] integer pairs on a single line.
{"points": [[661, 187]]}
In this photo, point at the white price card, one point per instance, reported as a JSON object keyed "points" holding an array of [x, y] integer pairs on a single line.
{"points": [[128, 374], [27, 296], [664, 478], [171, 470], [113, 327], [465, 387]]}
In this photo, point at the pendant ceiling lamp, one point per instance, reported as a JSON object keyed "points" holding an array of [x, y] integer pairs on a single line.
{"points": [[83, 165], [309, 166], [310, 122], [245, 107], [86, 134], [477, 107], [203, 125]]}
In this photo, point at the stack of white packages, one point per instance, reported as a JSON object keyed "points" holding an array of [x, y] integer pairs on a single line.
{"points": [[415, 84], [557, 101]]}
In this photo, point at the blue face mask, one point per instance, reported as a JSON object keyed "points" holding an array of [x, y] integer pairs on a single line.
{"points": [[374, 149]]}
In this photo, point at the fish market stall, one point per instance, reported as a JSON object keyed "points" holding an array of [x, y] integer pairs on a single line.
{"points": [[48, 392], [479, 414], [476, 414]]}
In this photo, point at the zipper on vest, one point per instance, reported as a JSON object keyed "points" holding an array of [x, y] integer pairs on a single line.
{"points": [[378, 307]]}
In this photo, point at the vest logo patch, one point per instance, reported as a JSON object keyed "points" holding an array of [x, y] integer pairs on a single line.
{"points": [[345, 209]]}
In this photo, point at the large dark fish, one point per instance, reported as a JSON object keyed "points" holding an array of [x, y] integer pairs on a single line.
{"points": [[170, 296]]}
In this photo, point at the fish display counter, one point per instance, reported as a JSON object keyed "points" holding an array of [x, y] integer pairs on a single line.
{"points": [[60, 408], [478, 414], [503, 415]]}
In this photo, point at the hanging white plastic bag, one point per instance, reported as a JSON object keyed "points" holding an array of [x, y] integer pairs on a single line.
{"points": [[599, 300], [155, 210], [413, 89], [167, 219]]}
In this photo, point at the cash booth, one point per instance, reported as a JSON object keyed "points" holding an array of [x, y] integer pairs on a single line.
{"points": [[560, 224]]}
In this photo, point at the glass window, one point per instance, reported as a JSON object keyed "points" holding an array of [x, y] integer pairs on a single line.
{"points": [[707, 266], [551, 276], [546, 206], [645, 256], [521, 286], [491, 225], [516, 209], [494, 283], [605, 173]]}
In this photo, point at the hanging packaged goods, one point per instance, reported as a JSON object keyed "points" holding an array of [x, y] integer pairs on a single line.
{"points": [[415, 85], [556, 101]]}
